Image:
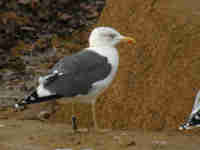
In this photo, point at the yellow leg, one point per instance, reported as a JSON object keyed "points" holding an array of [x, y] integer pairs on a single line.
{"points": [[94, 116], [96, 127], [74, 122], [74, 125]]}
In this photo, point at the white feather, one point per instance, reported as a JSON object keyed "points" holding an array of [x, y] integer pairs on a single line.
{"points": [[42, 92], [196, 106]]}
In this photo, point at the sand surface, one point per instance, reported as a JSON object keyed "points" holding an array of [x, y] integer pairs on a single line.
{"points": [[37, 135]]}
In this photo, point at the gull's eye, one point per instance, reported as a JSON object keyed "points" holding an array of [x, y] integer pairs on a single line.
{"points": [[112, 36]]}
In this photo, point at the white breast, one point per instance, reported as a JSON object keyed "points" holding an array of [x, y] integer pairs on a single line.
{"points": [[113, 58]]}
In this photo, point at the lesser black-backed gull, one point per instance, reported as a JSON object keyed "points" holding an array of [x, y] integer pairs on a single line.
{"points": [[83, 75], [194, 117]]}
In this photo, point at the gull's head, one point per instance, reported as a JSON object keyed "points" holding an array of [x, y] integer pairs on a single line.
{"points": [[107, 37]]}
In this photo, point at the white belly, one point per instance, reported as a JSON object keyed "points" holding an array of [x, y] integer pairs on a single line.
{"points": [[113, 58], [97, 87]]}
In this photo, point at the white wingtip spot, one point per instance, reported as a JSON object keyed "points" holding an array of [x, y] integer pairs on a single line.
{"points": [[32, 98], [24, 102], [181, 128], [55, 71], [16, 105]]}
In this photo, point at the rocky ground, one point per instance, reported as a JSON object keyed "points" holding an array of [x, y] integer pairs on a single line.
{"points": [[155, 86], [35, 34], [38, 135]]}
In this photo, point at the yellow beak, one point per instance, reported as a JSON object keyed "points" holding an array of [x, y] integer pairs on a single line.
{"points": [[128, 39]]}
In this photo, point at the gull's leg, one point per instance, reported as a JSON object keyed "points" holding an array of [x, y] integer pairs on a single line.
{"points": [[96, 127], [74, 122], [94, 115], [74, 125]]}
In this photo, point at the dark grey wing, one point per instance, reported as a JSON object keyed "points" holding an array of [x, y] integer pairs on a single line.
{"points": [[75, 74]]}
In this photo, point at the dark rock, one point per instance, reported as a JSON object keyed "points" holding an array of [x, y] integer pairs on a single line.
{"points": [[66, 17], [25, 2], [28, 28], [1, 3], [65, 1], [26, 32], [125, 140], [92, 15]]}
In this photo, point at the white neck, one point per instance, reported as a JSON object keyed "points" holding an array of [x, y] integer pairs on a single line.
{"points": [[110, 52], [100, 44]]}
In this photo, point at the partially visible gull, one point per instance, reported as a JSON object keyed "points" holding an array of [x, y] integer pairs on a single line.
{"points": [[84, 75], [194, 117]]}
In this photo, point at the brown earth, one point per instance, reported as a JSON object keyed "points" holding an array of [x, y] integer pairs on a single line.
{"points": [[154, 88], [157, 78], [35, 135]]}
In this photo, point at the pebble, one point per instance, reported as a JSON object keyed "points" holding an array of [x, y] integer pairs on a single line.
{"points": [[83, 130], [2, 125], [63, 149], [125, 140], [159, 142], [44, 115], [66, 17], [71, 149]]}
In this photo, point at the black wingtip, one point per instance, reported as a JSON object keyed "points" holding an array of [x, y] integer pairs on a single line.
{"points": [[19, 106], [182, 127], [34, 99]]}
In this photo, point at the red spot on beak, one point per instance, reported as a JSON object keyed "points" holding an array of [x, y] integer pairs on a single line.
{"points": [[130, 42]]}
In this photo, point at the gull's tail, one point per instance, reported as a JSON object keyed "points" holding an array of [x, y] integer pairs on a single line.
{"points": [[33, 98], [194, 117]]}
